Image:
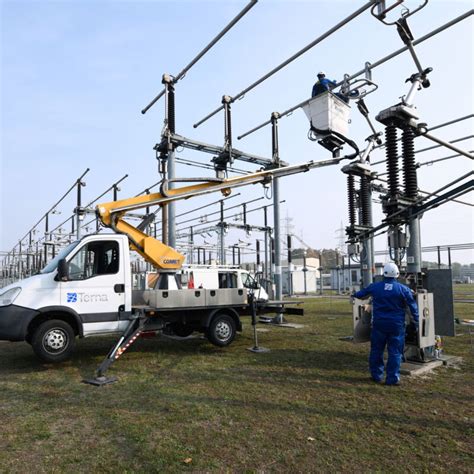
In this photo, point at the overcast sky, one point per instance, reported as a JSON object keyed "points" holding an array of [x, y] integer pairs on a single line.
{"points": [[75, 75]]}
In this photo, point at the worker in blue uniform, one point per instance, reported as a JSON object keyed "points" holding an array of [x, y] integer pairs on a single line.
{"points": [[322, 85], [389, 300]]}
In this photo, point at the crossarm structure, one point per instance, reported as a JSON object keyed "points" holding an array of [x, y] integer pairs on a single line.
{"points": [[161, 256]]}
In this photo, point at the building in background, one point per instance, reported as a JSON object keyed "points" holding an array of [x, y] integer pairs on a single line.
{"points": [[302, 277], [349, 278]]}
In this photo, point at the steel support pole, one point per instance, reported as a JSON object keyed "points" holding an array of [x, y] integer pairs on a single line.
{"points": [[170, 105], [257, 254], [367, 255], [266, 272], [164, 207], [191, 245], [46, 237], [222, 236], [290, 265], [414, 247], [368, 275], [171, 206], [276, 216], [305, 271], [79, 216]]}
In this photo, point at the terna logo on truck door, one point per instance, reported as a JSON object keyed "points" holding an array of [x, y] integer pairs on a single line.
{"points": [[86, 298], [72, 297]]}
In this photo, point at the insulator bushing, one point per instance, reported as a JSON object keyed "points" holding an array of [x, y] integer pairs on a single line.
{"points": [[171, 109], [366, 201], [229, 125], [391, 150], [409, 165], [351, 198]]}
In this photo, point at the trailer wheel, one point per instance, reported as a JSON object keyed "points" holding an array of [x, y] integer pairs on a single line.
{"points": [[221, 332], [53, 340]]}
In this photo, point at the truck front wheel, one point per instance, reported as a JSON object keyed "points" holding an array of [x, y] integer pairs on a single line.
{"points": [[221, 332], [53, 340]]}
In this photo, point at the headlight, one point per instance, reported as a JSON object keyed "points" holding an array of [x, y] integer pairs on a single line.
{"points": [[9, 296]]}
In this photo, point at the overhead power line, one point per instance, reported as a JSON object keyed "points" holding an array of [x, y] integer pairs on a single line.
{"points": [[181, 74], [291, 59], [363, 71]]}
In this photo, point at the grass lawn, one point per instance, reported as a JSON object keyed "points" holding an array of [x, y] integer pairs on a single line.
{"points": [[188, 406]]}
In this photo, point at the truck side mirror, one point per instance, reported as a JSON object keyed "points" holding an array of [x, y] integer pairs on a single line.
{"points": [[63, 270]]}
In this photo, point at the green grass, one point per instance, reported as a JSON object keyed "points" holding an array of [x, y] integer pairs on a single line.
{"points": [[463, 290], [306, 406]]}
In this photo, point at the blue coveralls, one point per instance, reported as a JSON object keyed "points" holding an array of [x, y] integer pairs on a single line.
{"points": [[389, 299], [322, 86]]}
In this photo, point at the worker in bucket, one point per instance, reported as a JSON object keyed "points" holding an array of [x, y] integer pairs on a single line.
{"points": [[322, 85], [389, 300]]}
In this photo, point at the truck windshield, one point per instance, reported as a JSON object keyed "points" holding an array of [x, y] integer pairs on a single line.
{"points": [[62, 254], [248, 281]]}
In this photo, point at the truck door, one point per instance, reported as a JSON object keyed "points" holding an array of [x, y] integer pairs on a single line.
{"points": [[96, 285], [252, 285]]}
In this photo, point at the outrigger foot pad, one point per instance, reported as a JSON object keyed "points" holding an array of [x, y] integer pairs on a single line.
{"points": [[258, 349], [99, 381]]}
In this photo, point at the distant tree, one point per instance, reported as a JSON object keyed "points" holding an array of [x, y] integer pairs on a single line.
{"points": [[299, 253], [329, 258], [456, 268]]}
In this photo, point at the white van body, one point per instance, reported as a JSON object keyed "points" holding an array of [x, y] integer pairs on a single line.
{"points": [[223, 276]]}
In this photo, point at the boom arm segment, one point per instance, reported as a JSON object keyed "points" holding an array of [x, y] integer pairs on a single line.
{"points": [[155, 252]]}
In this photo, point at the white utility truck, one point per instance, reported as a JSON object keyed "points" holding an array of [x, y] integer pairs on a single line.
{"points": [[86, 289]]}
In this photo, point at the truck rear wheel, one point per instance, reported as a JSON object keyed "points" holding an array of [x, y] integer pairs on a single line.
{"points": [[53, 340], [221, 332]]}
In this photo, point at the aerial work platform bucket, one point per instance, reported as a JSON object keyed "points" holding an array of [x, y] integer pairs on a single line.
{"points": [[329, 119], [327, 113]]}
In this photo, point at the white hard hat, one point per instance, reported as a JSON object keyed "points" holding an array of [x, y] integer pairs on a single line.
{"points": [[391, 270], [321, 73]]}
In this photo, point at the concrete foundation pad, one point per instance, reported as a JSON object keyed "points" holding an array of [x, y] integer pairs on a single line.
{"points": [[450, 361], [419, 368]]}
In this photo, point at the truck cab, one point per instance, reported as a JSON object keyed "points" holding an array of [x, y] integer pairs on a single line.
{"points": [[49, 311]]}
